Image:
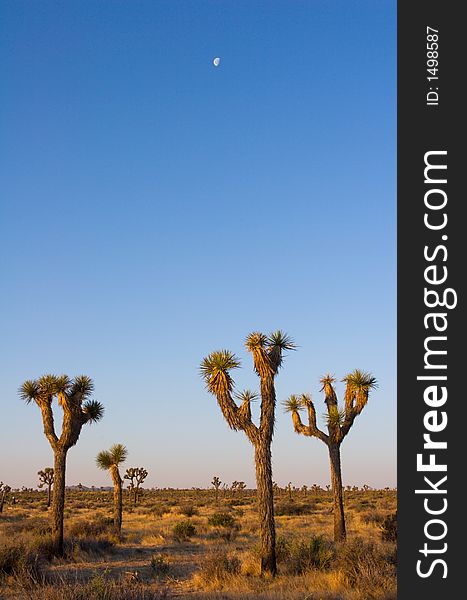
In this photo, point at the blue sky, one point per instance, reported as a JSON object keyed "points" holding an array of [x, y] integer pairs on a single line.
{"points": [[155, 208]]}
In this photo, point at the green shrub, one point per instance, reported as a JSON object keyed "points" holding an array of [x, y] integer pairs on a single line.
{"points": [[303, 555], [183, 531], [222, 520]]}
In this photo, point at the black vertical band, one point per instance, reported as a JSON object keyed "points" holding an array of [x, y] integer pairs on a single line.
{"points": [[431, 322]]}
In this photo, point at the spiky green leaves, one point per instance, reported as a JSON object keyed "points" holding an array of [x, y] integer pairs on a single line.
{"points": [[107, 459], [267, 350], [215, 371], [359, 383], [82, 386], [334, 417], [62, 386], [29, 391], [246, 396], [72, 396], [292, 404], [93, 411]]}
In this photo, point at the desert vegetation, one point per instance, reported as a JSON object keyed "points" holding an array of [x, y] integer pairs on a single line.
{"points": [[276, 541], [212, 554]]}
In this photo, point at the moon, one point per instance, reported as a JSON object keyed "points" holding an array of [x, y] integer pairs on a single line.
{"points": [[216, 61]]}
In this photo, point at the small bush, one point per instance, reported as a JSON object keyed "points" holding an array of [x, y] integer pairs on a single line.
{"points": [[222, 520], [159, 564], [294, 508], [189, 510], [303, 555], [183, 531], [366, 567], [24, 557], [87, 529], [218, 568], [373, 516], [389, 528], [157, 511]]}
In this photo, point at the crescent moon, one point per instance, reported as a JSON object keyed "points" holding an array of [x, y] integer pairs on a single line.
{"points": [[216, 61]]}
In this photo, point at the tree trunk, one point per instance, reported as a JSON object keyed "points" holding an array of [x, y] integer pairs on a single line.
{"points": [[118, 500], [49, 486], [265, 507], [336, 480], [58, 500], [2, 502]]}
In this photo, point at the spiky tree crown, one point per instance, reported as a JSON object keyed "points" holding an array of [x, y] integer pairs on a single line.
{"points": [[339, 421], [215, 371], [267, 354], [71, 394], [46, 476], [106, 459]]}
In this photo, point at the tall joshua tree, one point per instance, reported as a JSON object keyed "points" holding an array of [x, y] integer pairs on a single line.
{"points": [[136, 476], [267, 354], [73, 396], [339, 422], [46, 477], [110, 460]]}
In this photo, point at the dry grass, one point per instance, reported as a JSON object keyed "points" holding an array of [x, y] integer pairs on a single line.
{"points": [[160, 556]]}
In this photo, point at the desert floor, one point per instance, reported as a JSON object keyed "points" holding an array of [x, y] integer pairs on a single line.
{"points": [[188, 544]]}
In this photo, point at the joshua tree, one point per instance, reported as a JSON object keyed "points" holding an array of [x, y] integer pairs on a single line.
{"points": [[46, 477], [110, 460], [267, 354], [241, 485], [339, 422], [136, 476], [4, 491], [216, 483], [73, 397]]}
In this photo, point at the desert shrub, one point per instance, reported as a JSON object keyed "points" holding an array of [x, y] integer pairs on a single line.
{"points": [[389, 528], [159, 564], [157, 511], [225, 526], [188, 509], [294, 508], [24, 556], [222, 520], [94, 528], [366, 567], [217, 568], [91, 537], [303, 555], [373, 516], [183, 531]]}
